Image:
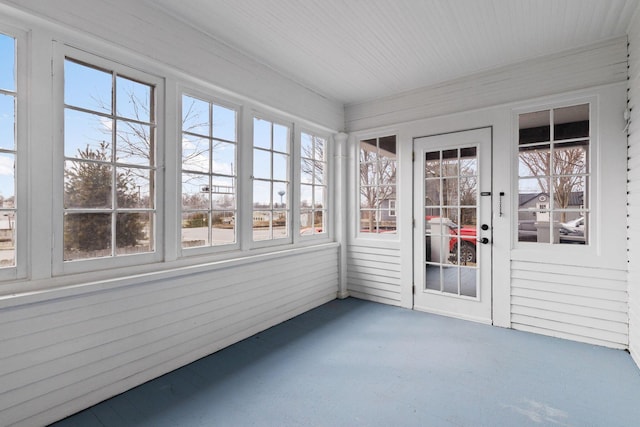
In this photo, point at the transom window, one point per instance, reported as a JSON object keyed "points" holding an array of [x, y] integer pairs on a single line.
{"points": [[271, 180], [8, 151], [313, 185], [209, 147], [554, 175], [378, 185], [109, 163]]}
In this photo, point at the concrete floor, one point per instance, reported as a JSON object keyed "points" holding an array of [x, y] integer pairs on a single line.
{"points": [[357, 363]]}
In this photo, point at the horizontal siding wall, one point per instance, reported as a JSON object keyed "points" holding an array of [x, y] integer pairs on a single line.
{"points": [[61, 355], [589, 66], [578, 303], [633, 189], [373, 272]]}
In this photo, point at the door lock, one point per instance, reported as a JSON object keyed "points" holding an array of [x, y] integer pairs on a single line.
{"points": [[484, 227]]}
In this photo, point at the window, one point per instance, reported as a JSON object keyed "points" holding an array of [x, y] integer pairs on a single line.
{"points": [[554, 175], [313, 185], [109, 163], [8, 151], [271, 180], [378, 185], [209, 147]]}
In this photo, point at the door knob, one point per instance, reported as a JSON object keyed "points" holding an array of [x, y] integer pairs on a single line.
{"points": [[484, 240]]}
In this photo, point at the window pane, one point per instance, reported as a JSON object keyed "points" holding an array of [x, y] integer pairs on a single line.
{"points": [[450, 192], [468, 191], [133, 188], [533, 187], [280, 167], [368, 151], [195, 153], [280, 138], [571, 122], [569, 192], [573, 227], [223, 193], [224, 158], [468, 161], [306, 146], [280, 224], [195, 116], [7, 63], [261, 133], [87, 136], [134, 143], [261, 194], [450, 163], [280, 195], [261, 225], [7, 238], [133, 100], [432, 192], [319, 197], [534, 161], [261, 164], [87, 87], [132, 233], [535, 127], [306, 196], [570, 159], [318, 223], [195, 191], [195, 229], [7, 180], [7, 122], [87, 185], [87, 235], [432, 164], [224, 123], [223, 228]]}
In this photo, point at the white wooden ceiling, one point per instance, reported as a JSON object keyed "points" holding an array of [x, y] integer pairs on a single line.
{"points": [[358, 50]]}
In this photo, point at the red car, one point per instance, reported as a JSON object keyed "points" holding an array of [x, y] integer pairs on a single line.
{"points": [[467, 241]]}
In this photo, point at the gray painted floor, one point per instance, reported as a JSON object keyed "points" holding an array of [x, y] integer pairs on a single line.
{"points": [[357, 363]]}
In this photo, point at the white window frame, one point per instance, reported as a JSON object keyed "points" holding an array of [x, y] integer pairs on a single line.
{"points": [[328, 182], [592, 193], [19, 270], [61, 267], [292, 197], [395, 235], [212, 98]]}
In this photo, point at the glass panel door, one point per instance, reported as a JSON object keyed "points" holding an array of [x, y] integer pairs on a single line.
{"points": [[452, 209]]}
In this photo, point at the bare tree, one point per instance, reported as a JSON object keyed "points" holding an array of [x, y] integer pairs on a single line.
{"points": [[559, 173], [377, 183]]}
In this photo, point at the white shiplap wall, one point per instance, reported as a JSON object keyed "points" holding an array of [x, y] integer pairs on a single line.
{"points": [[578, 303], [62, 354], [633, 188], [374, 272]]}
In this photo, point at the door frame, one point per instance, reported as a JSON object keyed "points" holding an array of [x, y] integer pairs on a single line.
{"points": [[491, 219]]}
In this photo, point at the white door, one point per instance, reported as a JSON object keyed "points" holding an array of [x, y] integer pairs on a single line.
{"points": [[452, 235]]}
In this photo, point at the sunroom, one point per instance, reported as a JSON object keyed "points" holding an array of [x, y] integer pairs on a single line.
{"points": [[176, 177]]}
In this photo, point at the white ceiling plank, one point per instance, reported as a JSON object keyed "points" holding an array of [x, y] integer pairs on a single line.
{"points": [[357, 50]]}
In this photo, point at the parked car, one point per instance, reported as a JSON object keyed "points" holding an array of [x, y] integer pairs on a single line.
{"points": [[573, 231], [467, 241]]}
